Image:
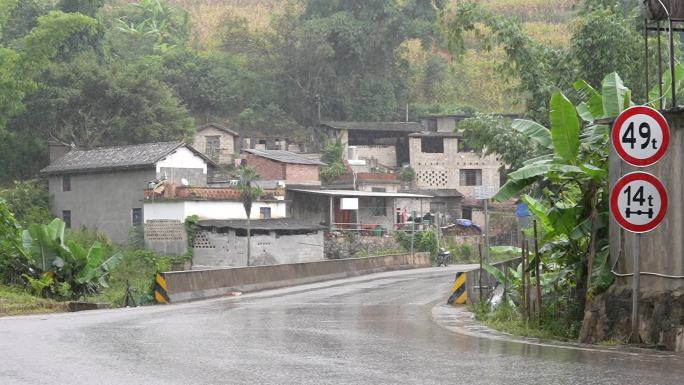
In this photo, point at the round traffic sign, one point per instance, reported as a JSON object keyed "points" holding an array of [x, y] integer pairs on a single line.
{"points": [[640, 136], [638, 202]]}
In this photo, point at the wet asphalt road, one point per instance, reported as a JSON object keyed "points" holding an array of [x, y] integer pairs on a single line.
{"points": [[366, 330]]}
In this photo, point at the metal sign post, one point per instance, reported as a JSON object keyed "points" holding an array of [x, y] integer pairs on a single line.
{"points": [[638, 200], [485, 193]]}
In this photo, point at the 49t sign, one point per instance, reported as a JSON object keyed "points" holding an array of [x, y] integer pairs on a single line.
{"points": [[638, 202], [640, 136]]}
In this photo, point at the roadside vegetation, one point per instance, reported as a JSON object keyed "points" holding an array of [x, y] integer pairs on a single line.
{"points": [[558, 165], [45, 265]]}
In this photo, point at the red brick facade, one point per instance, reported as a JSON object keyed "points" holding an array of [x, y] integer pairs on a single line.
{"points": [[291, 172]]}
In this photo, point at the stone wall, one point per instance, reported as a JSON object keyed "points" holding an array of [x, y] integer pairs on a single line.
{"points": [[661, 315]]}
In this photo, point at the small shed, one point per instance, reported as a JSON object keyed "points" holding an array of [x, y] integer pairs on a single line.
{"points": [[223, 243]]}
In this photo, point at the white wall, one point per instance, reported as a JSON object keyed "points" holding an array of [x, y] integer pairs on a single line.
{"points": [[208, 210], [182, 158]]}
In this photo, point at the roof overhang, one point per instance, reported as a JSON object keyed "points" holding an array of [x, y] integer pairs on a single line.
{"points": [[353, 193]]}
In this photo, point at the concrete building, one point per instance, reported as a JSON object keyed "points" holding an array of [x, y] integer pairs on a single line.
{"points": [[384, 144], [440, 164], [165, 214], [449, 122], [217, 142], [347, 209], [103, 188], [284, 166], [220, 243]]}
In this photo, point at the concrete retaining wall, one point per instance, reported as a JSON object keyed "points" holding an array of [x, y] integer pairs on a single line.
{"points": [[488, 281], [201, 284]]}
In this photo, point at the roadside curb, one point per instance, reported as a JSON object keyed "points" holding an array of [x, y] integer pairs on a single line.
{"points": [[460, 320]]}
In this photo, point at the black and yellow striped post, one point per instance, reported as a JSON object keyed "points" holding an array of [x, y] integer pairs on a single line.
{"points": [[459, 294], [160, 289]]}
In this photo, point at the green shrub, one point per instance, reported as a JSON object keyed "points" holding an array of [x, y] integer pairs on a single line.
{"points": [[28, 200]]}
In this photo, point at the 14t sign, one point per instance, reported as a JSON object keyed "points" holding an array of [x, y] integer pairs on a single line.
{"points": [[641, 136], [638, 202]]}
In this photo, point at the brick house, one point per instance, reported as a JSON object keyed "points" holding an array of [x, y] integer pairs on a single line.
{"points": [[284, 165]]}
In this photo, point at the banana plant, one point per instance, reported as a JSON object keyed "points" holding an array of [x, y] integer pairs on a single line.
{"points": [[573, 206], [83, 270]]}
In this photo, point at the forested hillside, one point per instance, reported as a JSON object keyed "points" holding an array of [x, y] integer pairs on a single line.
{"points": [[129, 71]]}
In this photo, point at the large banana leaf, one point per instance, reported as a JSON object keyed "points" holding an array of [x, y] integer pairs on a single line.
{"points": [[592, 106], [512, 188], [564, 127], [541, 168], [614, 95], [534, 131]]}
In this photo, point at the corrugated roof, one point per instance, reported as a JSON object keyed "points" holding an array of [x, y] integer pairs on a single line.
{"points": [[259, 224], [283, 156], [116, 158], [375, 126], [446, 192]]}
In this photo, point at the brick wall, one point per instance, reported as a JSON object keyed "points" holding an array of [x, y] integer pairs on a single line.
{"points": [[302, 173], [268, 169]]}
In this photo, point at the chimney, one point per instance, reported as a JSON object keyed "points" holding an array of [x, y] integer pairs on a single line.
{"points": [[57, 150]]}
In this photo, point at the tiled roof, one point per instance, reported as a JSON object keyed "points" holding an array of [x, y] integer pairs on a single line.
{"points": [[218, 127], [376, 126], [115, 158], [283, 156]]}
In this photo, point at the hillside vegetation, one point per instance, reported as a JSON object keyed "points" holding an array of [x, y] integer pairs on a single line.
{"points": [[473, 83]]}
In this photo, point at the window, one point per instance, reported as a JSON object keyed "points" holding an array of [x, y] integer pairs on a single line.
{"points": [[136, 217], [379, 207], [470, 177], [467, 213], [66, 182], [432, 124], [432, 145], [264, 213], [464, 146], [66, 217], [212, 146], [378, 189]]}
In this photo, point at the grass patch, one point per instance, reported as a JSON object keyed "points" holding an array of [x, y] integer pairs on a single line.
{"points": [[507, 318], [16, 301]]}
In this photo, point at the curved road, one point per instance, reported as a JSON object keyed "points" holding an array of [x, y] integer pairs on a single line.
{"points": [[365, 330]]}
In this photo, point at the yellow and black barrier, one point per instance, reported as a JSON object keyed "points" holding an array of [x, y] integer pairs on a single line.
{"points": [[160, 289], [459, 294]]}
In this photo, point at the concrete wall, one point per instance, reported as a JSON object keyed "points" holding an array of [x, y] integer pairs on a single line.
{"points": [[200, 284], [442, 170], [385, 155], [662, 250], [226, 144], [227, 249], [179, 210], [102, 201]]}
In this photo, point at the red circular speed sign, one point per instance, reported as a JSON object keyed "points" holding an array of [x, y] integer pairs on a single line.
{"points": [[638, 202], [640, 136]]}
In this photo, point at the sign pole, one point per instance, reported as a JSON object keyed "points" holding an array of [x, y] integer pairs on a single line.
{"points": [[486, 214], [635, 290]]}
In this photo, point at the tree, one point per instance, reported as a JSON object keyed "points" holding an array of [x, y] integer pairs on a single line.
{"points": [[248, 193], [23, 60], [333, 157], [90, 104]]}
